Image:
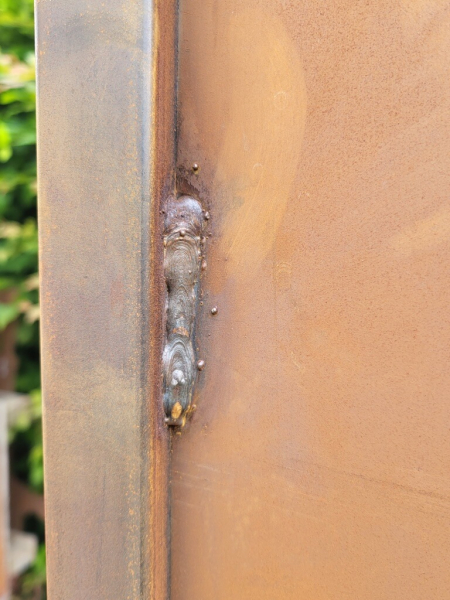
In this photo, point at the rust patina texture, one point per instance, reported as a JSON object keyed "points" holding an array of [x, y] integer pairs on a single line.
{"points": [[317, 463], [106, 144]]}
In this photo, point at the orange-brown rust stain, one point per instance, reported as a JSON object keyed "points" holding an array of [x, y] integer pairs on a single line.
{"points": [[256, 86], [425, 234], [260, 149], [316, 465]]}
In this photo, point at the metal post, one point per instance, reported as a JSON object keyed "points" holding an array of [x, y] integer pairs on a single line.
{"points": [[106, 104]]}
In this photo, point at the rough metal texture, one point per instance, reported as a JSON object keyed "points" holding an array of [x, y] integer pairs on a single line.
{"points": [[106, 139], [182, 258], [317, 463]]}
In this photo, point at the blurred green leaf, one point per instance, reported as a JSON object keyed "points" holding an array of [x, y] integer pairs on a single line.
{"points": [[8, 314], [5, 142]]}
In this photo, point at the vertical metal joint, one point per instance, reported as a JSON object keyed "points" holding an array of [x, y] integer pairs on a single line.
{"points": [[184, 220]]}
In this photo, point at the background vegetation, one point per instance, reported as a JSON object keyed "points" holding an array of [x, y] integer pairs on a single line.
{"points": [[18, 248]]}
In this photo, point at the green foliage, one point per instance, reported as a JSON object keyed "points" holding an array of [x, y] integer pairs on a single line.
{"points": [[18, 231], [34, 578], [26, 437], [18, 240], [32, 583]]}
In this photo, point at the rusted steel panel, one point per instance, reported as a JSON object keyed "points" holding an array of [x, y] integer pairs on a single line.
{"points": [[106, 144], [317, 463]]}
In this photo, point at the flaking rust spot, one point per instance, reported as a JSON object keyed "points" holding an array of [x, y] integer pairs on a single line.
{"points": [[176, 411]]}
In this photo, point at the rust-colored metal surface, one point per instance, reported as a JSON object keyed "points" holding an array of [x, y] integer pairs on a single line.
{"points": [[106, 147], [317, 464]]}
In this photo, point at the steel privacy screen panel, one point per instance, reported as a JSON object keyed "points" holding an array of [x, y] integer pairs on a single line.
{"points": [[317, 463]]}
